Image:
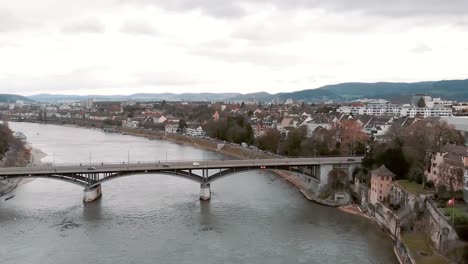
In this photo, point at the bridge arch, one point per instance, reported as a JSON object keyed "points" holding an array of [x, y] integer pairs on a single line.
{"points": [[180, 174], [229, 172], [80, 181]]}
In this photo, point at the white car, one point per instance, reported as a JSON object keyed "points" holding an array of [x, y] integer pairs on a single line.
{"points": [[196, 164]]}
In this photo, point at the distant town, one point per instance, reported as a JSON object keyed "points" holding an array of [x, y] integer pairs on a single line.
{"points": [[375, 116]]}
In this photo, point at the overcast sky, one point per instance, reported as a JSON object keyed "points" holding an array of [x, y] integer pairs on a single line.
{"points": [[129, 46]]}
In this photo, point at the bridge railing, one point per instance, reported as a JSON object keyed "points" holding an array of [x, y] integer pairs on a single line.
{"points": [[194, 162]]}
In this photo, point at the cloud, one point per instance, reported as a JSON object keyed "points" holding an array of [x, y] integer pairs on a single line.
{"points": [[9, 22], [88, 25], [138, 27], [421, 48], [215, 8], [73, 80], [394, 8], [166, 79]]}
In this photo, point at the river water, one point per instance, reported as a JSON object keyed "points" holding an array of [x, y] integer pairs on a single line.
{"points": [[253, 217]]}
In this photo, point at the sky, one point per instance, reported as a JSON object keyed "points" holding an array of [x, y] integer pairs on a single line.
{"points": [[129, 46]]}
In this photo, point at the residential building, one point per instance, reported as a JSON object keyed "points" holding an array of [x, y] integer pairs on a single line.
{"points": [[396, 110], [380, 184], [447, 166], [465, 187]]}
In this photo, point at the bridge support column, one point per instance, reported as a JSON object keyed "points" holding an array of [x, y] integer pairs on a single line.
{"points": [[92, 194], [205, 191]]}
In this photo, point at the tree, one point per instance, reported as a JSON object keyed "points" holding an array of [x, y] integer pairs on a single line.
{"points": [[233, 129], [352, 137], [182, 126], [421, 103], [269, 141], [292, 146]]}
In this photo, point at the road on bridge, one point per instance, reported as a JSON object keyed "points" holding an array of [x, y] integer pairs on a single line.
{"points": [[175, 165]]}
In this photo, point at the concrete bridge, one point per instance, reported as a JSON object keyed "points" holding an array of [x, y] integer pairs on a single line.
{"points": [[91, 176]]}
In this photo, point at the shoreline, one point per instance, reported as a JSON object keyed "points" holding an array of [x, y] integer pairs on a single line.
{"points": [[10, 185]]}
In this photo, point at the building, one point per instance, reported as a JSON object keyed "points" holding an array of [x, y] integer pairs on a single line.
{"points": [[396, 110], [380, 184], [448, 166], [465, 187], [88, 103], [215, 116]]}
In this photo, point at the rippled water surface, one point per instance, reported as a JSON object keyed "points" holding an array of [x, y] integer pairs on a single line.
{"points": [[253, 217]]}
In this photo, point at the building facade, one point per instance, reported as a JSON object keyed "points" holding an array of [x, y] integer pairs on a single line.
{"points": [[448, 167], [381, 179]]}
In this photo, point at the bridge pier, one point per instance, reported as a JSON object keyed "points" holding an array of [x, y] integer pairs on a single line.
{"points": [[92, 194], [205, 191]]}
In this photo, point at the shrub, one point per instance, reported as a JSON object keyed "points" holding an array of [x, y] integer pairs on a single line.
{"points": [[462, 232], [430, 184], [442, 192]]}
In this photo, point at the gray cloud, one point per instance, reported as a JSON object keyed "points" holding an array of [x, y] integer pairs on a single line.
{"points": [[138, 28], [89, 25], [394, 8], [9, 22]]}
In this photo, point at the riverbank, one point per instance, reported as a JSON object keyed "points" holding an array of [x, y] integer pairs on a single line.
{"points": [[7, 186]]}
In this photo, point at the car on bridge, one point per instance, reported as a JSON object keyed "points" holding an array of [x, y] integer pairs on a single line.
{"points": [[92, 168], [196, 164]]}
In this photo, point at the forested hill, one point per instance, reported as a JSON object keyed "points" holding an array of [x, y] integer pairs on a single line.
{"points": [[395, 92], [451, 89], [12, 98]]}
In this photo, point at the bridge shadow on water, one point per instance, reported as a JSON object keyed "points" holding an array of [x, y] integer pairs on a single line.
{"points": [[93, 211]]}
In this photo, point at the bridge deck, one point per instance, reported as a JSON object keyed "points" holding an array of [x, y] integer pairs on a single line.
{"points": [[174, 165]]}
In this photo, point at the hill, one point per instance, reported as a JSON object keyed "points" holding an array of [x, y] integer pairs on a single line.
{"points": [[12, 98], [450, 89], [395, 92]]}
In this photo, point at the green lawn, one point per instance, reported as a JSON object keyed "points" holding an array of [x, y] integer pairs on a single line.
{"points": [[413, 187], [461, 217], [418, 242]]}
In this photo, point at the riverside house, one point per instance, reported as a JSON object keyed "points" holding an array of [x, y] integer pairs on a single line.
{"points": [[380, 184]]}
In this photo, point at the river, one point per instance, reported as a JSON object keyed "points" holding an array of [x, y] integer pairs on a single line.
{"points": [[252, 217]]}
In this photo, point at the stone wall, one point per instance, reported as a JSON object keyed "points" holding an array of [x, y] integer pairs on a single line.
{"points": [[442, 234], [387, 219], [403, 253], [7, 186]]}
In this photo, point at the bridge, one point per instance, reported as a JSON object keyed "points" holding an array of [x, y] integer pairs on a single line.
{"points": [[91, 176]]}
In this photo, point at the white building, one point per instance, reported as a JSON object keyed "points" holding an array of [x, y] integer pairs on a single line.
{"points": [[398, 111]]}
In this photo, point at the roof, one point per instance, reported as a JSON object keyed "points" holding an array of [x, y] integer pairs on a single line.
{"points": [[383, 171], [455, 149]]}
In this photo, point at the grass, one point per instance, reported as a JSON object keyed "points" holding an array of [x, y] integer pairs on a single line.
{"points": [[418, 242], [413, 187], [461, 217]]}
